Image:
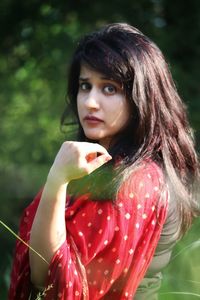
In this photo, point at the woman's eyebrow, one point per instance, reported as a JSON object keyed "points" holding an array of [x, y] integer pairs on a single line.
{"points": [[119, 84], [102, 78], [83, 78], [86, 79], [107, 78]]}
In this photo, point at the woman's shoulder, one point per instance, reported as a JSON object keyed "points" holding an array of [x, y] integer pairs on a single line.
{"points": [[147, 174], [148, 168], [144, 182]]}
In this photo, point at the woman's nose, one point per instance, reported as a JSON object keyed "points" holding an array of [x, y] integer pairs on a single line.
{"points": [[92, 100]]}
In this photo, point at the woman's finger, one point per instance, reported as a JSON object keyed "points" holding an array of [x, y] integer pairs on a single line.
{"points": [[94, 148], [98, 162]]}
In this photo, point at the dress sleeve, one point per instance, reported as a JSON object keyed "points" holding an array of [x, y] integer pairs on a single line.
{"points": [[20, 284]]}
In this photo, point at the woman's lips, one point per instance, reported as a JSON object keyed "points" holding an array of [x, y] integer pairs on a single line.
{"points": [[92, 119]]}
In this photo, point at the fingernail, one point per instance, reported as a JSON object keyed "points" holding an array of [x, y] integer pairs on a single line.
{"points": [[108, 158]]}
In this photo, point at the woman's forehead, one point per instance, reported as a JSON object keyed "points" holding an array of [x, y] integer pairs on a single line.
{"points": [[87, 72]]}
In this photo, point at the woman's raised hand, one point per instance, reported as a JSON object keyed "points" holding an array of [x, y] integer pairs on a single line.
{"points": [[77, 159]]}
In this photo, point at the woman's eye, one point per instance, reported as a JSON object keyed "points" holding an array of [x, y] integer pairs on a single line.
{"points": [[84, 86], [110, 89]]}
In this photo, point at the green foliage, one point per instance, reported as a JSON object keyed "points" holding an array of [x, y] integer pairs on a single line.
{"points": [[37, 39], [181, 277]]}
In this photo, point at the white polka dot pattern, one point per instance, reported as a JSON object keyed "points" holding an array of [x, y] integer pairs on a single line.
{"points": [[111, 241]]}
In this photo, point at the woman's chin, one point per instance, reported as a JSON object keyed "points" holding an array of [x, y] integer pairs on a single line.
{"points": [[93, 137]]}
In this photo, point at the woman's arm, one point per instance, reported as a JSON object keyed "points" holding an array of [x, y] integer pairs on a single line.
{"points": [[48, 232]]}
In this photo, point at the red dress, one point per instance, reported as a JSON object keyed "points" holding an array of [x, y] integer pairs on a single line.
{"points": [[108, 247]]}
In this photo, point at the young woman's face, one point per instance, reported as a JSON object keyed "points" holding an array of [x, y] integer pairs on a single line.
{"points": [[103, 109]]}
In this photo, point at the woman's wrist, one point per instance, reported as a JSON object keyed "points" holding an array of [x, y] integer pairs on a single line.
{"points": [[56, 181]]}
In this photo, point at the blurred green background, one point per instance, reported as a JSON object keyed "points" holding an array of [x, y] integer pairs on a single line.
{"points": [[37, 39]]}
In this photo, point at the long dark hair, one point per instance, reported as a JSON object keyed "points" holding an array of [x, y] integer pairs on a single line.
{"points": [[159, 130]]}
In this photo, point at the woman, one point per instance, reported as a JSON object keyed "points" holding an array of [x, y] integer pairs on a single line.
{"points": [[116, 201]]}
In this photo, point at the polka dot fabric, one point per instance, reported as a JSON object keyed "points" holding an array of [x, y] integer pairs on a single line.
{"points": [[108, 247]]}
